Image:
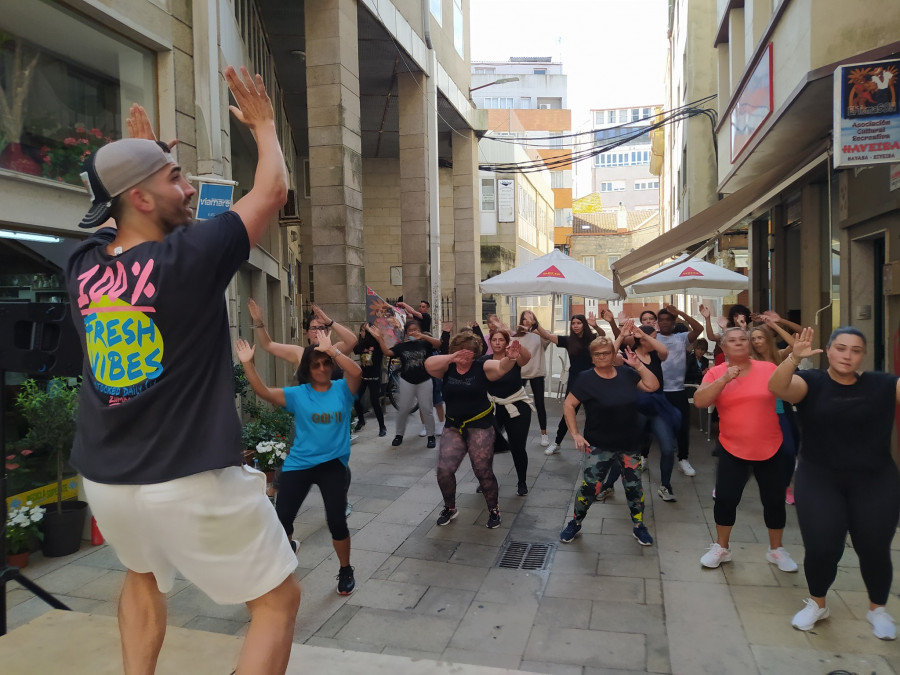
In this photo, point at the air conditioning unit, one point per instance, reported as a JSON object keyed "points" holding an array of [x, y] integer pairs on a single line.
{"points": [[544, 106]]}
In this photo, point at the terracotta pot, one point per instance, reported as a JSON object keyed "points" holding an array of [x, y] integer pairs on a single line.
{"points": [[15, 159], [19, 560]]}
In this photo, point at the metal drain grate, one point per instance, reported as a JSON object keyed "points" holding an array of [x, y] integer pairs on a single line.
{"points": [[520, 555]]}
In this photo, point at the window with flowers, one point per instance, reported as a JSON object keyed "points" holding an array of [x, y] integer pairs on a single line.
{"points": [[65, 88]]}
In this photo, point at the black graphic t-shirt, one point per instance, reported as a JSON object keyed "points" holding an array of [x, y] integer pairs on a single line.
{"points": [[412, 357], [157, 400], [465, 396], [370, 357]]}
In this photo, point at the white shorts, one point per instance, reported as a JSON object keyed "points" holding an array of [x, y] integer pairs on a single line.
{"points": [[217, 528]]}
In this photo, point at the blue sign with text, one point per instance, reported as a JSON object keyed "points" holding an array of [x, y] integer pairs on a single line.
{"points": [[213, 200]]}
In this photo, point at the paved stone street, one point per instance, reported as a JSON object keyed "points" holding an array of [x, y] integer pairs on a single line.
{"points": [[604, 604]]}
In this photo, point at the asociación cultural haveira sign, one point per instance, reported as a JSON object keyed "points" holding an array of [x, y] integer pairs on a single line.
{"points": [[866, 113]]}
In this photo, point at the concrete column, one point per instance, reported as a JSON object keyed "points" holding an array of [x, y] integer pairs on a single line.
{"points": [[335, 158], [467, 228], [415, 188], [207, 83]]}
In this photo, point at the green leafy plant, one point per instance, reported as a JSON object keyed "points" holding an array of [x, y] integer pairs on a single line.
{"points": [[265, 428], [23, 527], [50, 409]]}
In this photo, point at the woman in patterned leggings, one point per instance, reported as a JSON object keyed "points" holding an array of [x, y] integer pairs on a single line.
{"points": [[469, 427]]}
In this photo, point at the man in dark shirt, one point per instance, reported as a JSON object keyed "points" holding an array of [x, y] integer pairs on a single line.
{"points": [[158, 437]]}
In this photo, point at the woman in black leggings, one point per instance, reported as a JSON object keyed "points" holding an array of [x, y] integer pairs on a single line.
{"points": [[512, 405], [469, 427], [577, 344], [535, 371], [321, 449], [846, 480], [370, 358]]}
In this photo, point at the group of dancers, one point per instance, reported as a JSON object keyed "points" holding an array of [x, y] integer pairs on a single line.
{"points": [[621, 383]]}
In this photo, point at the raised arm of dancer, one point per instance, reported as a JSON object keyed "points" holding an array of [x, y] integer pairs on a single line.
{"points": [[290, 353], [245, 353]]}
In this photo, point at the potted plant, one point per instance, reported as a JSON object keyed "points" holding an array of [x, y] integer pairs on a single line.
{"points": [[50, 409], [22, 529]]}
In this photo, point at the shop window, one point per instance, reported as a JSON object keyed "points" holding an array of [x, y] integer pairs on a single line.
{"points": [[72, 82]]}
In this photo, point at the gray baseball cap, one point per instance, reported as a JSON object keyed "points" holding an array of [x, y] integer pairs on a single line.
{"points": [[115, 168]]}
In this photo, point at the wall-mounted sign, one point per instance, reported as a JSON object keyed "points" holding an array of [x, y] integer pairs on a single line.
{"points": [[506, 200], [753, 105], [866, 113], [213, 200]]}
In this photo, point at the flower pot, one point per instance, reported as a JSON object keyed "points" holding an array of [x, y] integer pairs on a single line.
{"points": [[15, 159], [62, 531], [19, 560]]}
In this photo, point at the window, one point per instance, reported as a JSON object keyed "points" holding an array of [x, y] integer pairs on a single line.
{"points": [[645, 113], [73, 92], [437, 10], [488, 195], [483, 70], [544, 106], [524, 102], [556, 142], [646, 185], [612, 186], [587, 261], [495, 102], [599, 117], [640, 157], [635, 114], [557, 178], [540, 71], [458, 38], [610, 259]]}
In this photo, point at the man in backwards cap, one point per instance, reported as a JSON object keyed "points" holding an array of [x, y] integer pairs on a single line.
{"points": [[158, 440]]}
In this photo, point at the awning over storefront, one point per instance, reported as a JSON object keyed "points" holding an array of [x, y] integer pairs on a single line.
{"points": [[711, 222]]}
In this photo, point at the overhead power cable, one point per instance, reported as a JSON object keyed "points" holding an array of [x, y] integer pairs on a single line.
{"points": [[588, 145]]}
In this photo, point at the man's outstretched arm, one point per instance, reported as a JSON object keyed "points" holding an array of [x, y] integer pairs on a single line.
{"points": [[269, 191]]}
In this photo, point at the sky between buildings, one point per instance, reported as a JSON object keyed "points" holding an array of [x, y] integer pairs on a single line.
{"points": [[613, 51]]}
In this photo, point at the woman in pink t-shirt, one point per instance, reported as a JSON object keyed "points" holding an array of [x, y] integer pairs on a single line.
{"points": [[749, 438]]}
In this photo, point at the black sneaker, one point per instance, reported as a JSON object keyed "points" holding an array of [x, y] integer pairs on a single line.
{"points": [[382, 432], [295, 545], [359, 424], [346, 582], [446, 516], [431, 442], [398, 439], [643, 537], [571, 531], [493, 520], [522, 489]]}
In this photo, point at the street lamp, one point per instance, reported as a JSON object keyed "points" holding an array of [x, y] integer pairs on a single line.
{"points": [[502, 80]]}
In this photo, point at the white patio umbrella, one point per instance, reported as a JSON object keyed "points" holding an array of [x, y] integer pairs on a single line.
{"points": [[690, 276], [552, 273]]}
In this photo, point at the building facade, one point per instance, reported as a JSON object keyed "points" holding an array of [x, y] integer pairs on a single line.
{"points": [[622, 174], [371, 101], [819, 238]]}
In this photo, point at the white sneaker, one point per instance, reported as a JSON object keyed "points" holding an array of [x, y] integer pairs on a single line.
{"points": [[781, 558], [553, 448], [686, 468], [882, 624], [665, 494], [715, 556], [806, 618], [423, 433], [438, 428], [545, 440]]}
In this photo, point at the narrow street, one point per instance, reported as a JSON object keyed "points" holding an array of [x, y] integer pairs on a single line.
{"points": [[603, 604]]}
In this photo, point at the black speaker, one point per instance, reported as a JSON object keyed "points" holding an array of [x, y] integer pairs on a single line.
{"points": [[39, 338]]}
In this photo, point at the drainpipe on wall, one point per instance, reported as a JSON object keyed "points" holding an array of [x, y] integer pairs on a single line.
{"points": [[434, 192]]}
